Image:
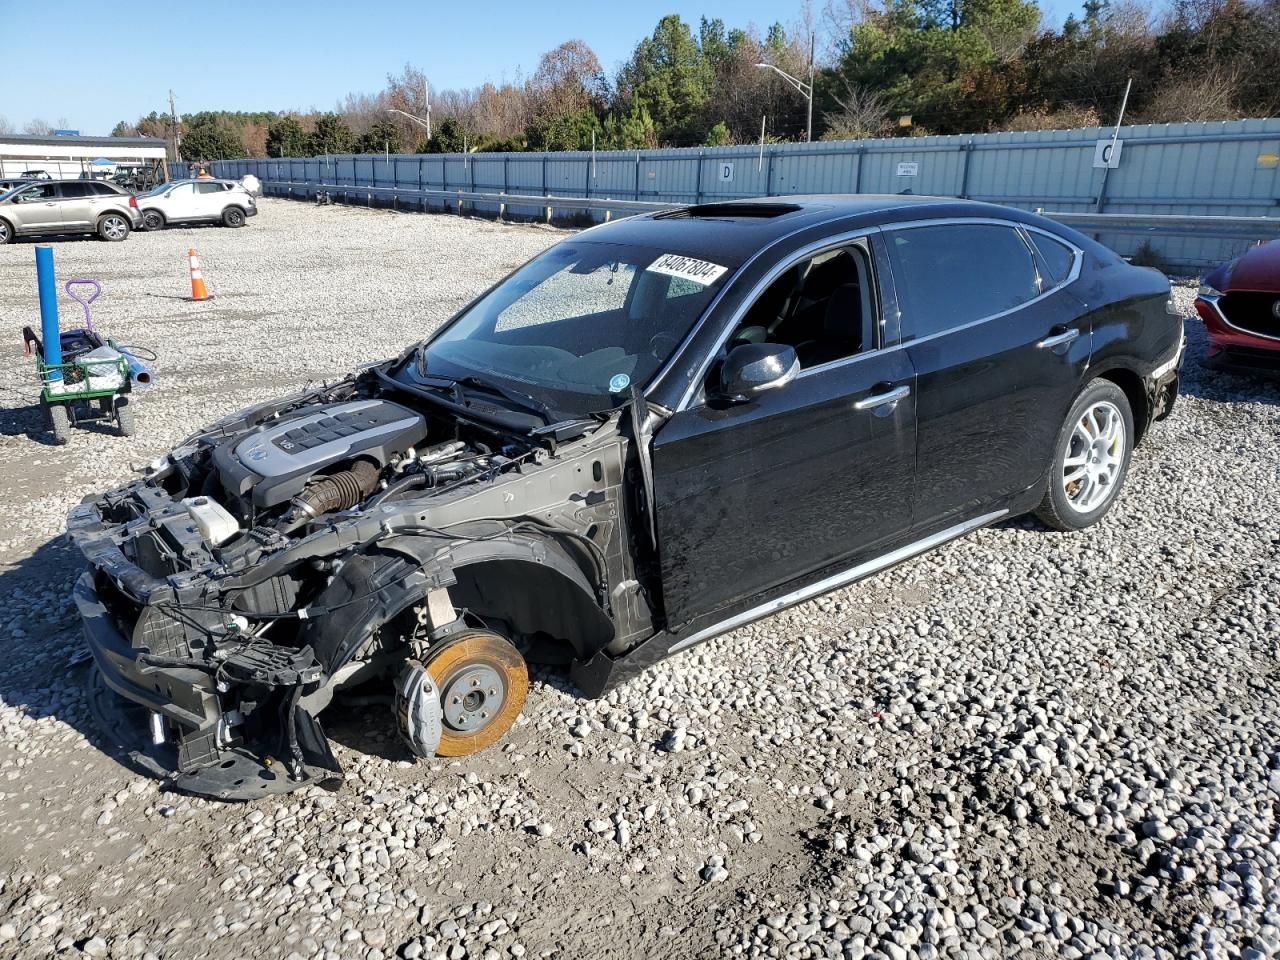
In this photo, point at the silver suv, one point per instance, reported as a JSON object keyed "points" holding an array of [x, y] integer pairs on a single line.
{"points": [[68, 206]]}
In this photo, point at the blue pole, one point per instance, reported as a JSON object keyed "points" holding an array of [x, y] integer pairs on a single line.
{"points": [[49, 333]]}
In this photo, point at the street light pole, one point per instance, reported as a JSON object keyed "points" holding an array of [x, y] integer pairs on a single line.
{"points": [[806, 89], [808, 136], [426, 97], [418, 120]]}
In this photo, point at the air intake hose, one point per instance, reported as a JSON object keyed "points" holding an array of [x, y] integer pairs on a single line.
{"points": [[338, 491]]}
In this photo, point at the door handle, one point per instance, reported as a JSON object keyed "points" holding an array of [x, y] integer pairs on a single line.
{"points": [[883, 399], [1058, 339]]}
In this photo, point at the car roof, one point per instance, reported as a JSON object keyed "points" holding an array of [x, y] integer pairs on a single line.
{"points": [[738, 228]]}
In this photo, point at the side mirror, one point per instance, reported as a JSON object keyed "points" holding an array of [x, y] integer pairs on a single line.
{"points": [[752, 368]]}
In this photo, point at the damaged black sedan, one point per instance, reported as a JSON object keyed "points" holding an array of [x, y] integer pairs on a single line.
{"points": [[652, 433]]}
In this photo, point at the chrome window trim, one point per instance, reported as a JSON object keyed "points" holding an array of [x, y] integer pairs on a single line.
{"points": [[667, 367], [684, 403], [1077, 255], [992, 221], [801, 253]]}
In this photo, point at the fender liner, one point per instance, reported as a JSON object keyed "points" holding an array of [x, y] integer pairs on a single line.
{"points": [[376, 585]]}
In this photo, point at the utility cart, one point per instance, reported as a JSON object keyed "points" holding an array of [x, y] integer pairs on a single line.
{"points": [[92, 384], [84, 376]]}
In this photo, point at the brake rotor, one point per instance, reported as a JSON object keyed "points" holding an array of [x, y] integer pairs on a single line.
{"points": [[482, 681]]}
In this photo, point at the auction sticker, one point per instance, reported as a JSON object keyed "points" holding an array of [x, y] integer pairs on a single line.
{"points": [[619, 383], [698, 271]]}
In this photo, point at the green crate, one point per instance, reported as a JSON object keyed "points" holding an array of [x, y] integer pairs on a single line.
{"points": [[76, 380]]}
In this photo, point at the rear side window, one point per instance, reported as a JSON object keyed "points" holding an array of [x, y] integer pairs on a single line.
{"points": [[102, 190], [1055, 258], [952, 274], [210, 187], [74, 191]]}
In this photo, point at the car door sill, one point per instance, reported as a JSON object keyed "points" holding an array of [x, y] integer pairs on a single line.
{"points": [[839, 580]]}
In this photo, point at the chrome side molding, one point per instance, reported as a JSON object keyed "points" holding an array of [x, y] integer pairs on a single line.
{"points": [[840, 579]]}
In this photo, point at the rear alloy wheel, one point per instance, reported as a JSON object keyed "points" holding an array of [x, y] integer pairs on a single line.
{"points": [[482, 681], [153, 220], [113, 227], [6, 233], [1092, 458], [233, 217]]}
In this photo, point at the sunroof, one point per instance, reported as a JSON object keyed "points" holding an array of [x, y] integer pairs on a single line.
{"points": [[733, 210]]}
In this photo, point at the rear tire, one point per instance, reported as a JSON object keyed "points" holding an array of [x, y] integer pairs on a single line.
{"points": [[233, 217], [153, 220], [113, 228], [6, 232], [1091, 459], [125, 422], [58, 420]]}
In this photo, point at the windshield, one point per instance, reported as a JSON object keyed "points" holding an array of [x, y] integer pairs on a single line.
{"points": [[579, 324], [161, 188]]}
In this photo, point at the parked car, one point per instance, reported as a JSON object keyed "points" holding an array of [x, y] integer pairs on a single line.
{"points": [[36, 175], [68, 206], [197, 201], [1240, 305], [652, 433]]}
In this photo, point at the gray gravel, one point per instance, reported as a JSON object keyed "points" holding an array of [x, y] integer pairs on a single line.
{"points": [[1023, 744]]}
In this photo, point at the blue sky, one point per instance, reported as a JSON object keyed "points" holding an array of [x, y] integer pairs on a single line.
{"points": [[112, 65]]}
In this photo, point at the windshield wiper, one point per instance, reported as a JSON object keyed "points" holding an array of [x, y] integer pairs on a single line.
{"points": [[523, 401]]}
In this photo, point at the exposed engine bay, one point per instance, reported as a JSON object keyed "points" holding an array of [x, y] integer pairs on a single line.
{"points": [[352, 536]]}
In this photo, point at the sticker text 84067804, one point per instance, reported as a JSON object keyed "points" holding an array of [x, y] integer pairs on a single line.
{"points": [[699, 271]]}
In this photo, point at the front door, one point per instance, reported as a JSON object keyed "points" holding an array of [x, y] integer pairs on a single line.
{"points": [[37, 209], [755, 497], [999, 349], [181, 203]]}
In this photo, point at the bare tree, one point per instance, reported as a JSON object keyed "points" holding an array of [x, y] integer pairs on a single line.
{"points": [[5, 125], [1213, 95], [36, 128], [863, 113], [569, 79]]}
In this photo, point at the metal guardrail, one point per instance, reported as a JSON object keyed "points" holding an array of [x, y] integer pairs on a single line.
{"points": [[501, 200], [1207, 227], [1167, 225]]}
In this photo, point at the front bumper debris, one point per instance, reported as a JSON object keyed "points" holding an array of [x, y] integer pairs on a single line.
{"points": [[211, 759]]}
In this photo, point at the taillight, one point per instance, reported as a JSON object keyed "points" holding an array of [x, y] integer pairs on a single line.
{"points": [[133, 202]]}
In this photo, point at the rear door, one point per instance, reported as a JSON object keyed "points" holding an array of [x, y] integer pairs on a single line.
{"points": [[75, 203], [999, 352], [758, 498], [211, 198]]}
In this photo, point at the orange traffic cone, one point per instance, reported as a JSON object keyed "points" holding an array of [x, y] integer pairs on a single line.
{"points": [[198, 289]]}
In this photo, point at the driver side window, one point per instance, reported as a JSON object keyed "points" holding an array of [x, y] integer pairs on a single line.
{"points": [[823, 307]]}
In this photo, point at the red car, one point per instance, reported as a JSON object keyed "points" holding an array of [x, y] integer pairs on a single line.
{"points": [[1240, 304]]}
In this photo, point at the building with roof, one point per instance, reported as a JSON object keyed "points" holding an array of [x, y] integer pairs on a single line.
{"points": [[65, 157]]}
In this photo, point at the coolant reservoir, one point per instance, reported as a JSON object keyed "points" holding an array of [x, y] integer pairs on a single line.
{"points": [[212, 519]]}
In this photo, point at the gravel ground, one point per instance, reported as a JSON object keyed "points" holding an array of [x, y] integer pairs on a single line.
{"points": [[1025, 743]]}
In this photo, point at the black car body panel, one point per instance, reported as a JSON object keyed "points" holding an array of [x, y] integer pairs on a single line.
{"points": [[609, 538]]}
